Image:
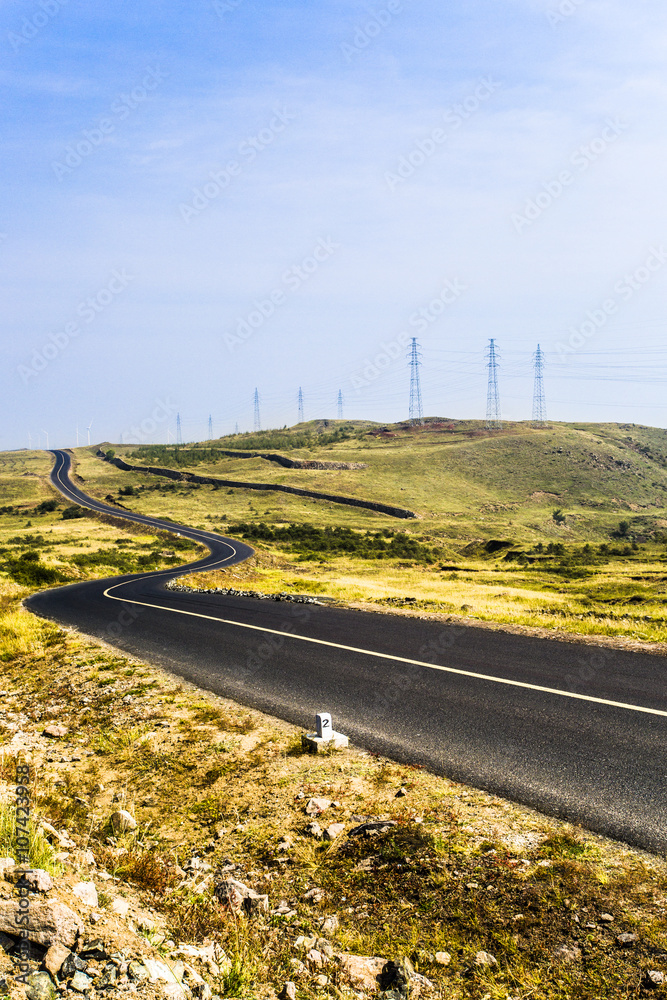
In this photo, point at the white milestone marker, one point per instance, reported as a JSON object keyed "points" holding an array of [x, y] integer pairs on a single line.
{"points": [[324, 726], [325, 737]]}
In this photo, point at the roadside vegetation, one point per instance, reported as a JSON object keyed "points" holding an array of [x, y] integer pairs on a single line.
{"points": [[218, 788]]}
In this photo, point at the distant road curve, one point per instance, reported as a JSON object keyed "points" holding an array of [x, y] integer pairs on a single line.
{"points": [[576, 731], [190, 477]]}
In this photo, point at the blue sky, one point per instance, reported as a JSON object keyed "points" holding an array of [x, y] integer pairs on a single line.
{"points": [[201, 199]]}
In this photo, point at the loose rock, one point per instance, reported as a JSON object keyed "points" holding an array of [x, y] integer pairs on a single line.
{"points": [[36, 878], [87, 893], [288, 992], [333, 831], [122, 821], [483, 958], [238, 896], [626, 940], [49, 922], [54, 731], [567, 953], [40, 986], [653, 979], [330, 925], [138, 972], [316, 806], [361, 972], [606, 918], [80, 982], [443, 957], [55, 957]]}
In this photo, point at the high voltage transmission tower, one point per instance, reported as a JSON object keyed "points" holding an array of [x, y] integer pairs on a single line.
{"points": [[539, 399], [493, 421], [257, 423], [339, 404], [300, 406], [179, 435], [210, 427], [416, 412]]}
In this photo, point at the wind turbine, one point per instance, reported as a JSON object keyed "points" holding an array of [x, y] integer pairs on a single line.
{"points": [[88, 428], [47, 438]]}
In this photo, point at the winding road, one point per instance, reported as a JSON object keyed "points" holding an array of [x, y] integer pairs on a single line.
{"points": [[575, 730]]}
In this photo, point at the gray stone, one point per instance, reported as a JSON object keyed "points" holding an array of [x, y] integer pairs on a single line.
{"points": [[109, 976], [80, 982], [94, 951], [238, 897], [35, 879], [71, 965], [138, 972], [40, 986], [122, 821], [288, 992], [442, 957], [626, 940], [606, 918], [314, 830], [401, 793], [49, 922], [654, 979]]}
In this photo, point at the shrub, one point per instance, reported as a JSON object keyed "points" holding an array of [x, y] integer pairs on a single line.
{"points": [[70, 513]]}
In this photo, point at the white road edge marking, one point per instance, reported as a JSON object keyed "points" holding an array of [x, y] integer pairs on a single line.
{"points": [[369, 652]]}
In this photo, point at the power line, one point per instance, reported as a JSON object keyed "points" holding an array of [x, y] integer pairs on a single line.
{"points": [[257, 422], [210, 427], [179, 435], [339, 405], [300, 406], [539, 400], [493, 421], [416, 410]]}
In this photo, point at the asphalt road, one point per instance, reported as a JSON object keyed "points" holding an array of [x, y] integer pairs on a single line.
{"points": [[574, 730]]}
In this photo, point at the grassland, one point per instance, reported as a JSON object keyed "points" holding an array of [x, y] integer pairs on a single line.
{"points": [[462, 871], [580, 510]]}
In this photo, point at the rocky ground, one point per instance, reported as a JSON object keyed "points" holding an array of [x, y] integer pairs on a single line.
{"points": [[184, 846]]}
